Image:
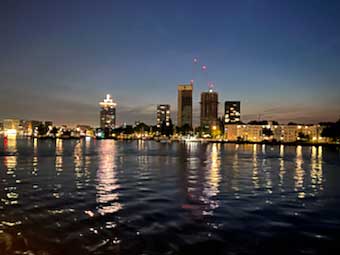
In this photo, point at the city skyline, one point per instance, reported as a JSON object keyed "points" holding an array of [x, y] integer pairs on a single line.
{"points": [[280, 59]]}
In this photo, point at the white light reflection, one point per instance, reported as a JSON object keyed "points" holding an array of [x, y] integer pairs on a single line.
{"points": [[87, 163], [299, 173], [10, 162], [316, 169], [255, 177], [235, 174], [59, 156], [107, 182], [35, 157], [10, 146], [212, 180], [78, 160], [267, 172], [282, 166], [213, 175]]}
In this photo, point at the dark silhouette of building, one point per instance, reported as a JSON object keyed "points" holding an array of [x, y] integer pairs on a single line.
{"points": [[184, 114], [209, 109]]}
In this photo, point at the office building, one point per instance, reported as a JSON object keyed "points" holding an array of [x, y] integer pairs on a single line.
{"points": [[184, 114], [209, 109], [163, 114], [232, 112], [107, 113]]}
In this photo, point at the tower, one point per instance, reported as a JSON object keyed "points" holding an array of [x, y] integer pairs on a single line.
{"points": [[209, 109], [108, 113], [184, 114]]}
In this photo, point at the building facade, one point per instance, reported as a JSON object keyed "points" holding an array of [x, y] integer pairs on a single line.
{"points": [[11, 126], [280, 133], [163, 114], [232, 112], [108, 113], [209, 109], [184, 114]]}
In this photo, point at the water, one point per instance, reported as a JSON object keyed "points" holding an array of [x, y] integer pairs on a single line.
{"points": [[143, 197]]}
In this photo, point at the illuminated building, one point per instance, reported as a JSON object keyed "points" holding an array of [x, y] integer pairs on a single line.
{"points": [[184, 114], [107, 113], [232, 112], [209, 109], [252, 133], [11, 126], [85, 130], [163, 114], [280, 133]]}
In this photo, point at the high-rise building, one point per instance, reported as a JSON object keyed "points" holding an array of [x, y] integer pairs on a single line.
{"points": [[184, 114], [209, 109], [232, 112], [163, 114], [108, 113]]}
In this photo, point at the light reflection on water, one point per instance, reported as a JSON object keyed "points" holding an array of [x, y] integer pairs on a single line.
{"points": [[299, 173], [104, 196], [107, 182]]}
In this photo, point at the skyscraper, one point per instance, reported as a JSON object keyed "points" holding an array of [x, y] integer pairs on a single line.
{"points": [[232, 112], [163, 114], [209, 109], [184, 114], [107, 113]]}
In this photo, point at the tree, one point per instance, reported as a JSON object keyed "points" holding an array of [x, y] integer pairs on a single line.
{"points": [[167, 130], [255, 122], [185, 129], [42, 130], [303, 137], [54, 131], [292, 124], [141, 127], [332, 131], [267, 132]]}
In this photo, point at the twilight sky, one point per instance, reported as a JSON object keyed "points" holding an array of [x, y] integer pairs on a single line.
{"points": [[58, 59]]}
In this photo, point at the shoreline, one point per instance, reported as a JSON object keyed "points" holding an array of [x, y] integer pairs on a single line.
{"points": [[196, 141]]}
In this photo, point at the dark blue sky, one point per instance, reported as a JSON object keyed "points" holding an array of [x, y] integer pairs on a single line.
{"points": [[59, 58]]}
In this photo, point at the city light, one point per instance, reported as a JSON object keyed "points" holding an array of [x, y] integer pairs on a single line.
{"points": [[10, 132]]}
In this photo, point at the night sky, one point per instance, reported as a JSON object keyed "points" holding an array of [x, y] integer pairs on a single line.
{"points": [[58, 59]]}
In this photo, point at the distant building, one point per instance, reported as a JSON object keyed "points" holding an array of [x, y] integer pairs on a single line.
{"points": [[31, 126], [107, 113], [251, 133], [184, 114], [232, 112], [11, 126], [85, 130], [209, 109], [163, 114], [280, 133]]}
